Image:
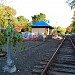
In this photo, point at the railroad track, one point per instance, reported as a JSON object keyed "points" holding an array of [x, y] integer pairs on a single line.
{"points": [[62, 61]]}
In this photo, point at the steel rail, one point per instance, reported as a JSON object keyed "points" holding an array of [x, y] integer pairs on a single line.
{"points": [[72, 42], [51, 59]]}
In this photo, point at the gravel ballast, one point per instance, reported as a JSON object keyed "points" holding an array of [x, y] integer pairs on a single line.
{"points": [[26, 60]]}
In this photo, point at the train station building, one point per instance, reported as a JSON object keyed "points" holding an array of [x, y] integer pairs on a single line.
{"points": [[42, 27]]}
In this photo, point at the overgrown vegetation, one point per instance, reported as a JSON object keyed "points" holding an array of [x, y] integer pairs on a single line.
{"points": [[71, 3]]}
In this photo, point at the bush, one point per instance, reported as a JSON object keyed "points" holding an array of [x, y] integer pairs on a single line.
{"points": [[2, 38]]}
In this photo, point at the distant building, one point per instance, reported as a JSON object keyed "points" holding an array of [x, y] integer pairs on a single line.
{"points": [[17, 29], [42, 27]]}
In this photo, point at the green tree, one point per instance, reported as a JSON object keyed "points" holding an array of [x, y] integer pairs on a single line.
{"points": [[38, 17], [73, 30], [69, 29], [22, 21], [59, 29], [63, 31], [15, 22], [73, 23], [6, 13], [73, 20], [29, 26], [71, 3]]}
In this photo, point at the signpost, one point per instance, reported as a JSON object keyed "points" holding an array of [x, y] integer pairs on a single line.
{"points": [[9, 67]]}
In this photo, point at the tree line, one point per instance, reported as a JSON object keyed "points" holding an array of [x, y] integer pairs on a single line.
{"points": [[8, 14]]}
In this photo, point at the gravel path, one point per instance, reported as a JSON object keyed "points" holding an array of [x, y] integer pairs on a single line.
{"points": [[27, 59]]}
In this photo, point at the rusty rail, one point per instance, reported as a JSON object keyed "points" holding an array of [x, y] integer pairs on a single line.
{"points": [[51, 59]]}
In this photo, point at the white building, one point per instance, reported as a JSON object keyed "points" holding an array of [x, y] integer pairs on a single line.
{"points": [[42, 27]]}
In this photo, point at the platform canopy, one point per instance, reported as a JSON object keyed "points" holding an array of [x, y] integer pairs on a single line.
{"points": [[41, 24]]}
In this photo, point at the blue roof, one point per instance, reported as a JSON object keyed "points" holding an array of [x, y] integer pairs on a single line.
{"points": [[40, 23]]}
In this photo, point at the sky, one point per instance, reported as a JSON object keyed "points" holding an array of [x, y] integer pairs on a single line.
{"points": [[57, 11]]}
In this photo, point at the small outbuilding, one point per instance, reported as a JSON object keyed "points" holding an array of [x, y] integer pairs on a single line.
{"points": [[42, 27]]}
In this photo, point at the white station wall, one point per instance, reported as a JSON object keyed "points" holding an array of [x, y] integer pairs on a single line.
{"points": [[39, 30]]}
